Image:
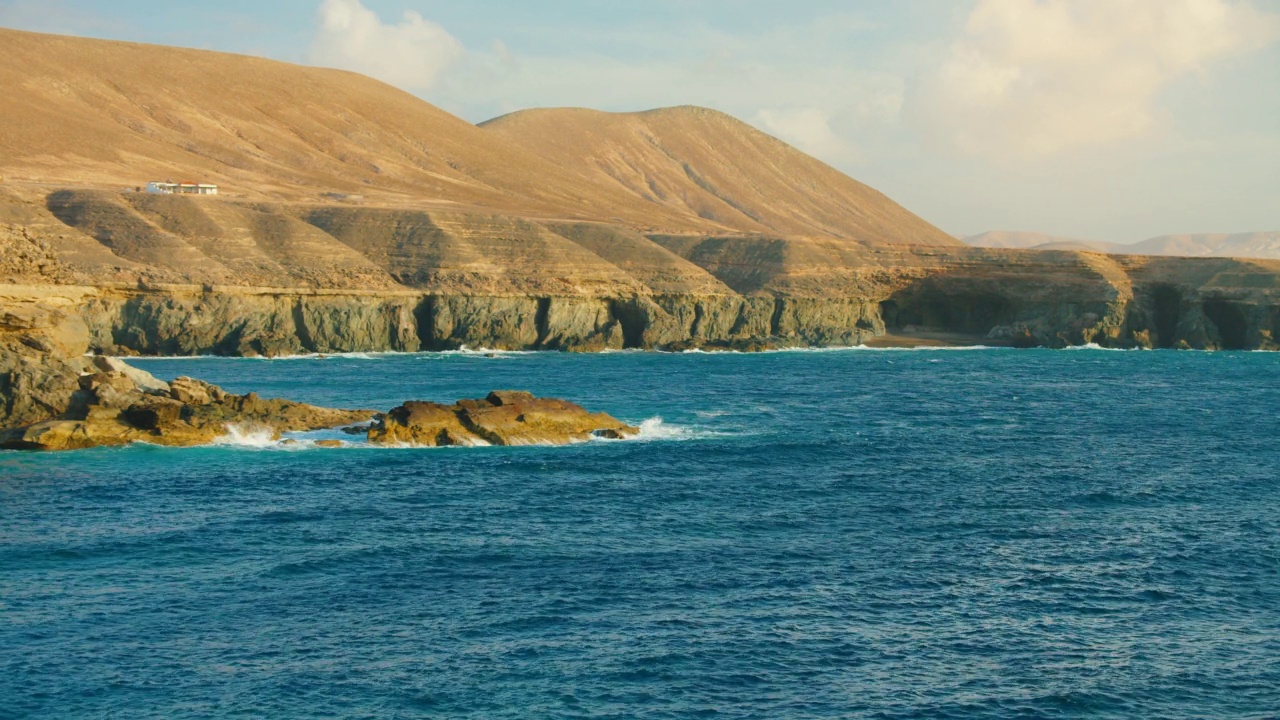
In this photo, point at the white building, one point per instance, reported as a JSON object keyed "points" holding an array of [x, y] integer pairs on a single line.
{"points": [[181, 188]]}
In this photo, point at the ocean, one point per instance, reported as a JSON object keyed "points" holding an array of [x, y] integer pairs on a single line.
{"points": [[980, 533]]}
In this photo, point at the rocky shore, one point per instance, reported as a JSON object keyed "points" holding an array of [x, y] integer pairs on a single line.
{"points": [[119, 405], [55, 397]]}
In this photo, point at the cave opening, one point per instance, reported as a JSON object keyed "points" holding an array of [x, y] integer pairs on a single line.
{"points": [[542, 320], [1167, 303], [632, 320], [1233, 327], [960, 311], [889, 314], [424, 318]]}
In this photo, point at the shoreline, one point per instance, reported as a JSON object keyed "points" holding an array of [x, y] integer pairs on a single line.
{"points": [[251, 322]]}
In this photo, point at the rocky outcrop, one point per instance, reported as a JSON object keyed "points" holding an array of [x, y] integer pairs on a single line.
{"points": [[122, 405], [42, 343], [502, 418], [55, 397]]}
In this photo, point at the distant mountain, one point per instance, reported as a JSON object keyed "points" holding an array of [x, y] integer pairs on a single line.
{"points": [[1017, 240], [1264, 245], [1248, 245]]}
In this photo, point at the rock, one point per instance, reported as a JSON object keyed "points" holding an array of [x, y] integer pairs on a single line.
{"points": [[499, 398], [195, 392], [41, 351], [422, 423], [109, 409], [611, 434], [36, 344], [144, 380], [504, 417], [329, 443], [51, 435], [154, 414]]}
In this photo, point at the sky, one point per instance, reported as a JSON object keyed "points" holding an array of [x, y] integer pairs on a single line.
{"points": [[1113, 120]]}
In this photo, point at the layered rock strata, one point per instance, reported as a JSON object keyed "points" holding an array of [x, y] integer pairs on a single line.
{"points": [[180, 276], [1141, 308]]}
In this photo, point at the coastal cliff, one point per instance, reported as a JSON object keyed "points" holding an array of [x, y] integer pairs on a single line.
{"points": [[182, 276], [1031, 311], [354, 217]]}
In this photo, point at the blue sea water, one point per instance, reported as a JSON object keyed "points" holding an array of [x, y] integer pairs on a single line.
{"points": [[880, 534]]}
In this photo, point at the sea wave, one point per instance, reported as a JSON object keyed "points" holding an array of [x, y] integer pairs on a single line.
{"points": [[248, 436], [255, 437], [843, 349], [373, 355], [655, 429], [1094, 346]]}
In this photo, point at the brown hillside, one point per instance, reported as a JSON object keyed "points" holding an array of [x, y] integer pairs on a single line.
{"points": [[112, 114], [710, 165], [102, 114]]}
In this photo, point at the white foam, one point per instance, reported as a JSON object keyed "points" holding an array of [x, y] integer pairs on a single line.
{"points": [[1096, 346], [490, 353], [130, 359], [919, 348], [485, 352], [656, 430], [843, 348], [248, 436], [334, 356]]}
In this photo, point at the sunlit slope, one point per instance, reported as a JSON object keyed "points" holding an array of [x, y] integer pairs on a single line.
{"points": [[709, 165], [99, 113], [91, 113]]}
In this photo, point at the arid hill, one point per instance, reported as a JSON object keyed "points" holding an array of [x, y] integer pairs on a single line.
{"points": [[82, 112], [705, 163], [552, 229]]}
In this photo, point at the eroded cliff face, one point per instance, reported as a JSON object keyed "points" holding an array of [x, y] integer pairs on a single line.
{"points": [[191, 321], [42, 343], [240, 321], [1121, 302], [996, 311], [264, 279]]}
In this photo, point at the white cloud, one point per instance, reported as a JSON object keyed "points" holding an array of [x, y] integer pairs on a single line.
{"points": [[410, 55], [807, 128], [1029, 79]]}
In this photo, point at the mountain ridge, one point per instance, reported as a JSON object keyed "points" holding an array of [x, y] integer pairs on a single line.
{"points": [[1258, 244], [102, 114]]}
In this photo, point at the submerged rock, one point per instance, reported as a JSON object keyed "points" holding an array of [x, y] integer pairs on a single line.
{"points": [[505, 417]]}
